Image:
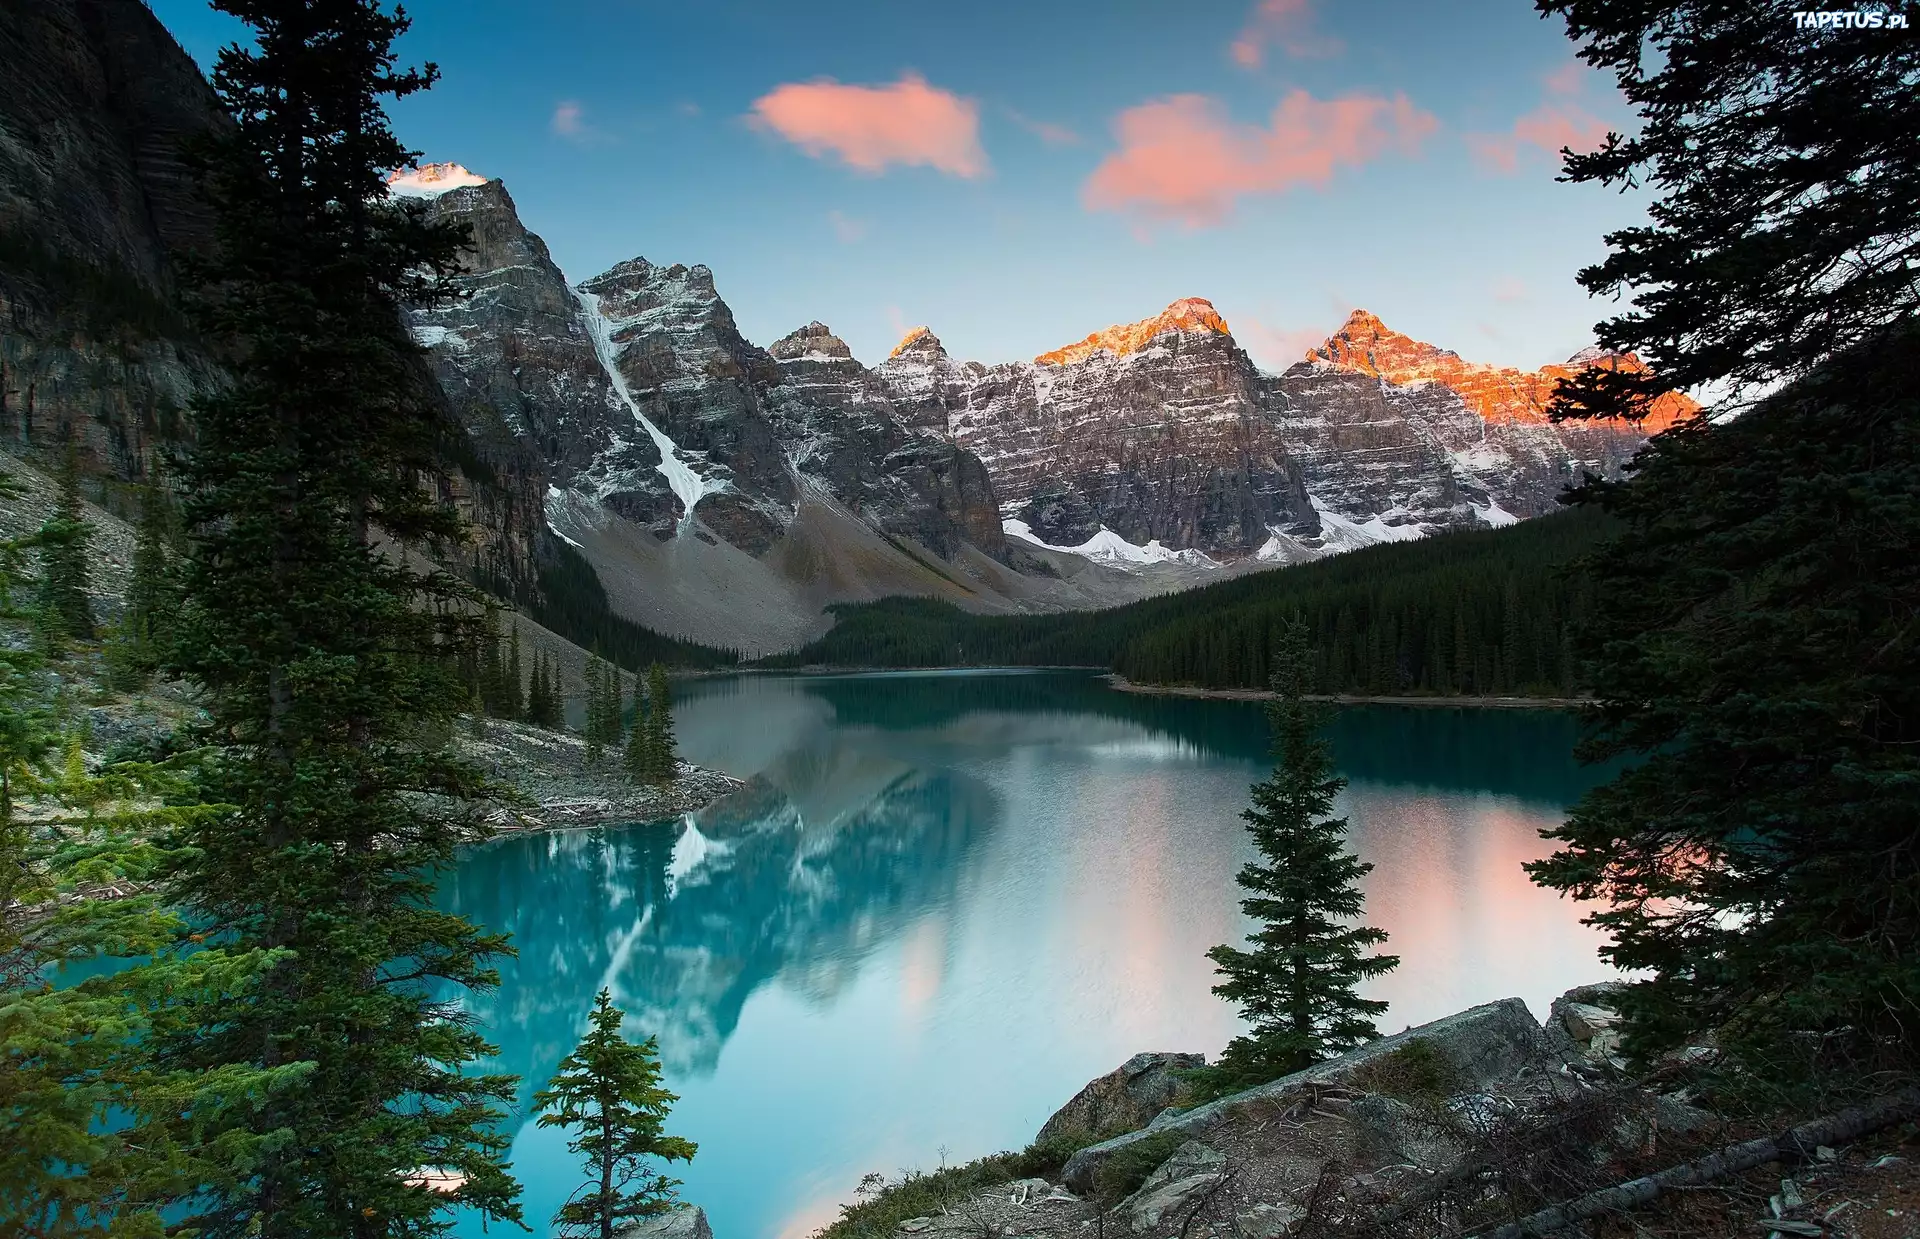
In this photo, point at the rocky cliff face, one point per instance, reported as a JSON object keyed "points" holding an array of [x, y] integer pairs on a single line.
{"points": [[1163, 430], [835, 423], [1390, 425], [639, 394], [95, 207]]}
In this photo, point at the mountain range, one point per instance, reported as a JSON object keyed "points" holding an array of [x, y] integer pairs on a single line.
{"points": [[729, 492], [723, 488]]}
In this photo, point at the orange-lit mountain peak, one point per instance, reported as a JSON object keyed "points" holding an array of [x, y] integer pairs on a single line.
{"points": [[1497, 393], [912, 338], [431, 180], [1366, 344], [1189, 314]]}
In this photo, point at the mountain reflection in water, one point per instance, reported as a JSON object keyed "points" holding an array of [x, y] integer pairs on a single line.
{"points": [[946, 900]]}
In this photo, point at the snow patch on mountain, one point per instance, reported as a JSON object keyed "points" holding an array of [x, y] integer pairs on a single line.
{"points": [[1495, 515], [1339, 534], [687, 484], [430, 335], [1108, 547], [431, 180], [557, 504]]}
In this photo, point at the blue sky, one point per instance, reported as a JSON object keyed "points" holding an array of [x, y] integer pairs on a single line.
{"points": [[1016, 175]]}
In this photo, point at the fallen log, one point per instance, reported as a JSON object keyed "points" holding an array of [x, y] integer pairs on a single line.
{"points": [[1798, 1141]]}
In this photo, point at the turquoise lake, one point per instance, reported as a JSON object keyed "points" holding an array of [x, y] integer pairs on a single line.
{"points": [[947, 900]]}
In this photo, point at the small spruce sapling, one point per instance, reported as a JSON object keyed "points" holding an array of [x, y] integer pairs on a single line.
{"points": [[609, 1091]]}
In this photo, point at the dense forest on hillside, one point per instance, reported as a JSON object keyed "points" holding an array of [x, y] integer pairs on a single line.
{"points": [[1482, 612]]}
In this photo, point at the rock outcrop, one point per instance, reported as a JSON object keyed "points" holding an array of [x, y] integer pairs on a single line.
{"points": [[1414, 1134], [1474, 1048], [683, 1222], [96, 208], [1125, 1099]]}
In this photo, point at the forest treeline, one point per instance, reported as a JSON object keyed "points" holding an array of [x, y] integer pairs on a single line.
{"points": [[1482, 612]]}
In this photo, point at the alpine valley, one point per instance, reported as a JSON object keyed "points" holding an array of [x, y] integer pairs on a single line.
{"points": [[729, 492]]}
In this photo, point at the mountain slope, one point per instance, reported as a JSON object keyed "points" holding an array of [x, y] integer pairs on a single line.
{"points": [[722, 492], [1468, 612]]}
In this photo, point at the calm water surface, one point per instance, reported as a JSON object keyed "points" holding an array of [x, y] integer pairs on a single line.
{"points": [[949, 899]]}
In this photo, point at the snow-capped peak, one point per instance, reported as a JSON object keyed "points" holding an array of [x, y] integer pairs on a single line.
{"points": [[915, 336], [430, 180]]}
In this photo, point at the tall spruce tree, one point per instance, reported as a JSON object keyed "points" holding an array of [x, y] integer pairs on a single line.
{"points": [[1296, 982], [153, 589], [661, 751], [543, 693], [608, 1091], [1783, 230], [92, 1137], [515, 704], [66, 611], [324, 661], [638, 759], [594, 727], [1751, 635]]}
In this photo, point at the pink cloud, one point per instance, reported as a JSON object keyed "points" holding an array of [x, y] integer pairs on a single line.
{"points": [[1276, 347], [869, 127], [1046, 131], [1182, 159], [1288, 23], [1548, 127], [568, 120], [846, 227], [1567, 79]]}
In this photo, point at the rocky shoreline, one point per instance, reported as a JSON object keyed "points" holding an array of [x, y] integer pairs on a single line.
{"points": [[560, 788], [1455, 1127], [566, 791]]}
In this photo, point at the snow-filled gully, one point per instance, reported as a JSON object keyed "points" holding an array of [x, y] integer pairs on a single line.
{"points": [[687, 485]]}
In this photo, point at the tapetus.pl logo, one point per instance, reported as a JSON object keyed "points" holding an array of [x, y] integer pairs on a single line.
{"points": [[1850, 19]]}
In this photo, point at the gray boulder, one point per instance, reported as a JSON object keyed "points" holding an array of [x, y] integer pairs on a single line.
{"points": [[682, 1222], [1180, 1182], [1125, 1099], [1583, 1023], [1478, 1047], [1269, 1221]]}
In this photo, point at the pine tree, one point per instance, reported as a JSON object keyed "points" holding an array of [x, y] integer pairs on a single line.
{"points": [[640, 759], [543, 694], [88, 1144], [661, 751], [608, 1090], [515, 701], [594, 723], [66, 611], [1297, 984], [1750, 631], [153, 591], [324, 662], [493, 666]]}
